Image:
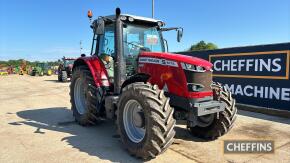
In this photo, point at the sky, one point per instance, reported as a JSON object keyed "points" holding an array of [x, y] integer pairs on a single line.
{"points": [[46, 30]]}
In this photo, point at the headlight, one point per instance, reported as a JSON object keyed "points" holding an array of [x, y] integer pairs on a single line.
{"points": [[160, 24], [123, 18], [131, 19], [193, 87], [191, 67]]}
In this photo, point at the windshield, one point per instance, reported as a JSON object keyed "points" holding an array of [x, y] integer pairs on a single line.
{"points": [[141, 37], [68, 62]]}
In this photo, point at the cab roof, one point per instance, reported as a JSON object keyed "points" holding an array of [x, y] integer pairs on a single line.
{"points": [[69, 58], [136, 18]]}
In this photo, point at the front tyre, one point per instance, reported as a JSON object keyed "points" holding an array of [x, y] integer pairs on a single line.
{"points": [[85, 97], [144, 120], [64, 76], [221, 124]]}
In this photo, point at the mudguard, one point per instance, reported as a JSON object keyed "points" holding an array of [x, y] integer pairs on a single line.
{"points": [[97, 69]]}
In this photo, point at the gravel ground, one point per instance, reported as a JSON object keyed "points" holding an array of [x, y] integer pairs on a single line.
{"points": [[37, 126]]}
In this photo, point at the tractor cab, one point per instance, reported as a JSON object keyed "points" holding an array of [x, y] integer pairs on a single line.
{"points": [[65, 69], [136, 38], [120, 46], [68, 62]]}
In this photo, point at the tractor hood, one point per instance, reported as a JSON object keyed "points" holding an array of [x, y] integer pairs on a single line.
{"points": [[179, 58]]}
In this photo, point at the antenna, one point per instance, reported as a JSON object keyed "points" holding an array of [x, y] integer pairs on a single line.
{"points": [[152, 8], [81, 47]]}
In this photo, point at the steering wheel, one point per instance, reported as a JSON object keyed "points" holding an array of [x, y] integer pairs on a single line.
{"points": [[134, 46]]}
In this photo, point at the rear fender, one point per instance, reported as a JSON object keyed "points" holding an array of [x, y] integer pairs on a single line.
{"points": [[96, 67]]}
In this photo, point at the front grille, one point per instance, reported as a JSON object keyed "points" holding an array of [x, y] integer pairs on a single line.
{"points": [[203, 78]]}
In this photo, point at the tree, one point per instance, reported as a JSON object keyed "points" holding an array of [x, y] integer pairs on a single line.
{"points": [[202, 45], [18, 62]]}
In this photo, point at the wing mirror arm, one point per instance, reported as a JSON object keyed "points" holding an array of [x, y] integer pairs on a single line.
{"points": [[178, 29], [166, 45]]}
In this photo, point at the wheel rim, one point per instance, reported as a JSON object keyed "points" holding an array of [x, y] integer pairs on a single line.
{"points": [[134, 121], [79, 96]]}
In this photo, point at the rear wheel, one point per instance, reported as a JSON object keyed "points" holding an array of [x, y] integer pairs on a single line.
{"points": [[144, 119], [59, 76], [86, 97], [213, 126]]}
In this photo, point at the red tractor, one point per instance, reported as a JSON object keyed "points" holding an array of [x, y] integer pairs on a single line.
{"points": [[130, 78], [65, 69]]}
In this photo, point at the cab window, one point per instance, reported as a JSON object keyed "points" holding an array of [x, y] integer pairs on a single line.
{"points": [[107, 41]]}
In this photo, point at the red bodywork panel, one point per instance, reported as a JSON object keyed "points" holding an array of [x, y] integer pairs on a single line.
{"points": [[170, 72], [97, 69], [179, 58]]}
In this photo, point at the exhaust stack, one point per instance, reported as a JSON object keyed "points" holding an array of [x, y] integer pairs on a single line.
{"points": [[120, 65]]}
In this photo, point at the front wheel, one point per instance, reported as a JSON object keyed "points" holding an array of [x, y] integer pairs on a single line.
{"points": [[63, 76], [144, 120], [215, 125]]}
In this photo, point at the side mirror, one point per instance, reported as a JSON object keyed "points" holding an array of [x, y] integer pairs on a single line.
{"points": [[100, 27], [179, 34]]}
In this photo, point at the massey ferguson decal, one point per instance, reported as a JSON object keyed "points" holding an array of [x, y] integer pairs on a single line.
{"points": [[158, 61]]}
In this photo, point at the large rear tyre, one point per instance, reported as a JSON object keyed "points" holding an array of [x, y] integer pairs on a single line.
{"points": [[221, 123], [86, 97], [64, 76], [145, 120]]}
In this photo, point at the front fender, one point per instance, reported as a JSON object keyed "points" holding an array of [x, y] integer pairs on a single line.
{"points": [[97, 69], [139, 77]]}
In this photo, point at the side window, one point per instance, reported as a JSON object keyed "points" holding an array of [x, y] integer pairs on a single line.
{"points": [[107, 42]]}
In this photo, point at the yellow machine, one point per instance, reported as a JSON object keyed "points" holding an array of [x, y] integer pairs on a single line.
{"points": [[23, 68], [3, 72], [49, 72]]}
